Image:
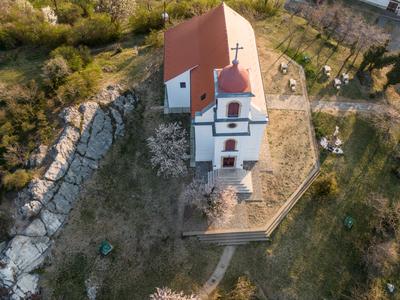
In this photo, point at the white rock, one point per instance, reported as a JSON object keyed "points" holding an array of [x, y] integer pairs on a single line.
{"points": [[51, 221], [36, 228], [68, 191], [31, 208], [27, 285], [119, 123], [38, 156], [64, 151], [71, 116], [89, 110], [26, 253], [101, 136], [80, 169], [42, 190]]}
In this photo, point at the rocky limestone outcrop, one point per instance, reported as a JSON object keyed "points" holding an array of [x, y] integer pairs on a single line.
{"points": [[89, 132]]}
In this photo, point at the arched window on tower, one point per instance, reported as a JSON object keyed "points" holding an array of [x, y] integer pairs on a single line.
{"points": [[233, 110], [230, 145]]}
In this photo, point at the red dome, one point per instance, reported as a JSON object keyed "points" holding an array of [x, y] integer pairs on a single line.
{"points": [[234, 79]]}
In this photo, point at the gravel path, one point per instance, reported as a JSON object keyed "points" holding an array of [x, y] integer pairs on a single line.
{"points": [[328, 106], [219, 272]]}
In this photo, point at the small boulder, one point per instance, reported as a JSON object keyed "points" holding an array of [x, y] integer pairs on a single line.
{"points": [[37, 157], [31, 209]]}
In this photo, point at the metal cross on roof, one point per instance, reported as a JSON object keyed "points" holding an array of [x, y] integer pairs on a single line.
{"points": [[237, 48]]}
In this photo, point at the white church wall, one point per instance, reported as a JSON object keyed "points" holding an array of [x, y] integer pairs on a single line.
{"points": [[247, 147], [220, 152], [222, 108], [179, 97], [250, 145], [204, 143], [222, 127]]}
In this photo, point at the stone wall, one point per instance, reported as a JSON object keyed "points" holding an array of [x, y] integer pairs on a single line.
{"points": [[43, 207]]}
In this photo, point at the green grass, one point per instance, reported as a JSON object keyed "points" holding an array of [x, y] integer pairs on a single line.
{"points": [[277, 32], [21, 65], [127, 204], [312, 255]]}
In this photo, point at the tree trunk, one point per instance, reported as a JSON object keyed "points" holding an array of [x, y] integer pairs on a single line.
{"points": [[301, 39], [344, 63], [55, 6], [354, 60]]}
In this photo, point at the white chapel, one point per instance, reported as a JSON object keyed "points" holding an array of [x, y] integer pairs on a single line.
{"points": [[212, 71]]}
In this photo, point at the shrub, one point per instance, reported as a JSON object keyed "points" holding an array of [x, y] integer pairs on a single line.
{"points": [[80, 85], [244, 290], [69, 13], [257, 8], [24, 123], [188, 9], [155, 39], [55, 72], [326, 186], [76, 58], [144, 20], [95, 30], [31, 29], [16, 180]]}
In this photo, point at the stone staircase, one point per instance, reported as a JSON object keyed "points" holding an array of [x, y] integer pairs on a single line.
{"points": [[238, 178], [234, 238]]}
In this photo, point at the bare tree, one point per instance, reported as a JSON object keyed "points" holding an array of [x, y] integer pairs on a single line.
{"points": [[169, 147], [166, 293]]}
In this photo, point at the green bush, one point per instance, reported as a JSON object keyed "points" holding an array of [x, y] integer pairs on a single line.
{"points": [[55, 72], [187, 9], [155, 39], [326, 186], [69, 13], [23, 124], [32, 31], [257, 8], [95, 30], [16, 180], [144, 20], [80, 85], [76, 58]]}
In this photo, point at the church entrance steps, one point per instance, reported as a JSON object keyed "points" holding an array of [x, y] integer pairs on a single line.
{"points": [[233, 238], [238, 178]]}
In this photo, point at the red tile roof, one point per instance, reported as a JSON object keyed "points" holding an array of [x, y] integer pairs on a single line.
{"points": [[200, 43]]}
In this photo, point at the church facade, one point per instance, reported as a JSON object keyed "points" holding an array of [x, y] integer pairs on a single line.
{"points": [[212, 71]]}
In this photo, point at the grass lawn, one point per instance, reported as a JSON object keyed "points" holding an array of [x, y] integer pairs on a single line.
{"points": [[127, 204], [276, 32], [312, 255]]}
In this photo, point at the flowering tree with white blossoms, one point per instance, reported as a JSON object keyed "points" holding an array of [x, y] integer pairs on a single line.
{"points": [[168, 294], [221, 205], [169, 147], [217, 203], [49, 15]]}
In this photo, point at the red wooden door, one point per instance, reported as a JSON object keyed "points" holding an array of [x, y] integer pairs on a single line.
{"points": [[228, 162]]}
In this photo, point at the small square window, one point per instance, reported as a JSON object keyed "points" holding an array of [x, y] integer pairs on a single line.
{"points": [[204, 96], [183, 85]]}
